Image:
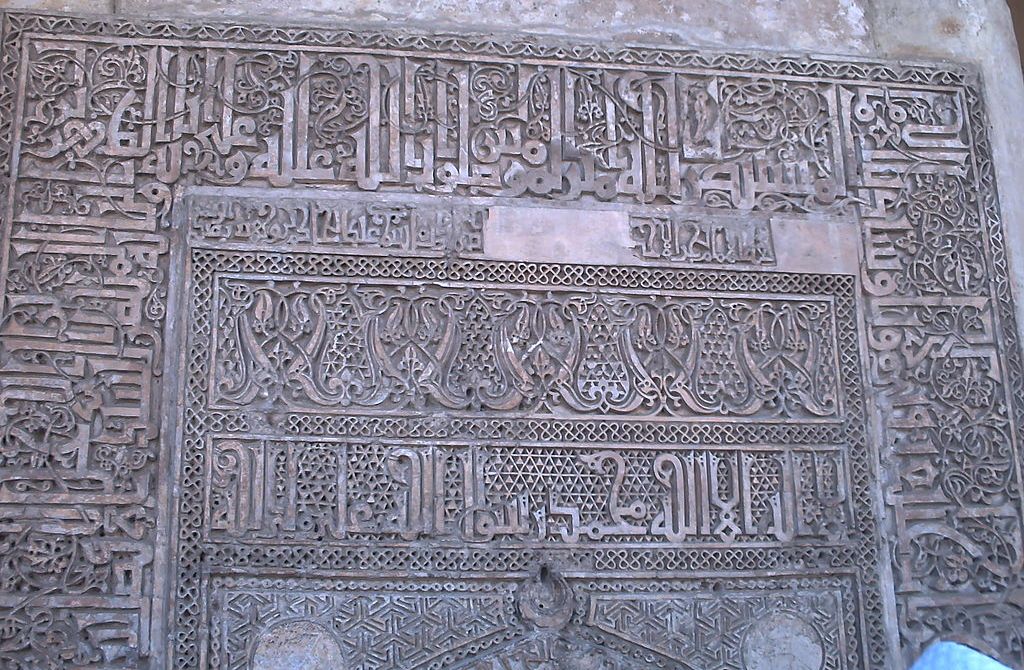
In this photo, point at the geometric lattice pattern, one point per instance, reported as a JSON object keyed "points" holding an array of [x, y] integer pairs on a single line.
{"points": [[263, 380], [563, 502]]}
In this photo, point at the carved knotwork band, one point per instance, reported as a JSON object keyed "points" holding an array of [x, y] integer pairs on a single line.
{"points": [[236, 414]]}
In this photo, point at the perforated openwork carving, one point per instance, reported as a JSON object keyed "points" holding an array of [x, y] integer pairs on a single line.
{"points": [[271, 396]]}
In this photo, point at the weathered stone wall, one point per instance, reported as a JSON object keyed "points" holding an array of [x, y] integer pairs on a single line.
{"points": [[292, 357]]}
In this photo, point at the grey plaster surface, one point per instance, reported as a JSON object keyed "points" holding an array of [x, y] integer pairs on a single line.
{"points": [[795, 24]]}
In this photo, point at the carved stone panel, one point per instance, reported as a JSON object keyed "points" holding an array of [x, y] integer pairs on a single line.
{"points": [[333, 349], [548, 429]]}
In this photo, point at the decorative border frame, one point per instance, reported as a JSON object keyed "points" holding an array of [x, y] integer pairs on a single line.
{"points": [[197, 560], [988, 617]]}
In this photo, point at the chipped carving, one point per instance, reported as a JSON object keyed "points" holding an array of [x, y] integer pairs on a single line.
{"points": [[361, 392], [343, 223], [718, 239]]}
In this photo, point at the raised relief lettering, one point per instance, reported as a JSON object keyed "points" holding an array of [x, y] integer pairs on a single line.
{"points": [[269, 490], [353, 223], [711, 239], [264, 394]]}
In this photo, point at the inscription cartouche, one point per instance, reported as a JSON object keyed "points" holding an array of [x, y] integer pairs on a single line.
{"points": [[705, 238]]}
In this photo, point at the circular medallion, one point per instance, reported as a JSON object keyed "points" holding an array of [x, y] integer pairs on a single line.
{"points": [[297, 645], [782, 641]]}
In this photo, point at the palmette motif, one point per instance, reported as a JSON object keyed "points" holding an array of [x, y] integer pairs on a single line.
{"points": [[390, 348], [403, 500], [427, 414]]}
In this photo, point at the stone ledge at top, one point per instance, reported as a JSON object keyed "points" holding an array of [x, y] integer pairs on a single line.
{"points": [[969, 30], [828, 26], [79, 6]]}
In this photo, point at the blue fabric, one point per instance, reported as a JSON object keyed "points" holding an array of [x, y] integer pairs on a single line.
{"points": [[952, 656]]}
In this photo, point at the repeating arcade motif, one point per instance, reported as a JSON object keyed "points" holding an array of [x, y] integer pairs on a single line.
{"points": [[105, 124], [529, 495]]}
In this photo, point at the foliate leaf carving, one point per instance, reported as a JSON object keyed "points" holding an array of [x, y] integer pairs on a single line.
{"points": [[231, 403]]}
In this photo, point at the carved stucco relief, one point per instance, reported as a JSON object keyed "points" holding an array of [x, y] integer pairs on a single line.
{"points": [[267, 392]]}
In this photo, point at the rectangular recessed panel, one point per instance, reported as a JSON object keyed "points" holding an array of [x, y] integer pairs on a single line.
{"points": [[383, 345], [550, 430]]}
